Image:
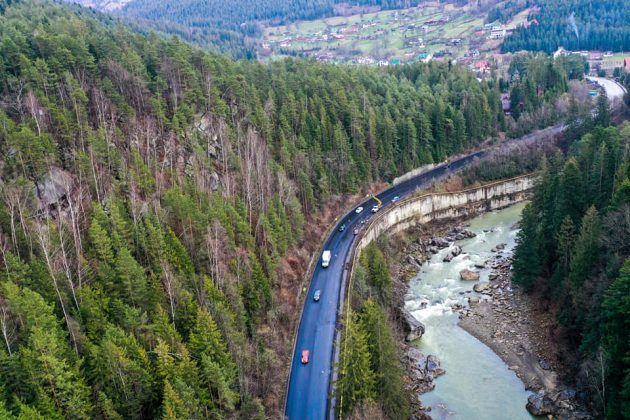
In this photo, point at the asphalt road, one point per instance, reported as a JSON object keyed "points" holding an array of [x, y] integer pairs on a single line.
{"points": [[614, 90], [309, 384]]}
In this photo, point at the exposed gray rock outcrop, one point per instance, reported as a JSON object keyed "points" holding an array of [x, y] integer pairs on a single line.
{"points": [[540, 404], [414, 329], [52, 191]]}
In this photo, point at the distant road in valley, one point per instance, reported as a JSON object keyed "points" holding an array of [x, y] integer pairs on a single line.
{"points": [[614, 90]]}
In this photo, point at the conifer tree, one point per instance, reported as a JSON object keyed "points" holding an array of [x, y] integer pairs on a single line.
{"points": [[357, 381]]}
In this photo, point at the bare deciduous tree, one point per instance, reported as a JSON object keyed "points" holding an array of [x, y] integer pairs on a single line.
{"points": [[42, 232]]}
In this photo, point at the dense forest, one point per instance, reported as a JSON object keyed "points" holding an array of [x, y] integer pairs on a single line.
{"points": [[574, 248], [505, 10], [237, 28], [154, 200], [575, 25]]}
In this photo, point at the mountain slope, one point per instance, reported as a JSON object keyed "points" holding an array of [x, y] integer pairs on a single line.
{"points": [[157, 207], [575, 25], [232, 29]]}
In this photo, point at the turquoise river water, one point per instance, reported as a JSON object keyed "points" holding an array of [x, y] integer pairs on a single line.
{"points": [[477, 383]]}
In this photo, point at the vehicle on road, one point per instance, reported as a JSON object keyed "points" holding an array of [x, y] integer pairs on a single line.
{"points": [[376, 208], [356, 231], [395, 199], [358, 210], [305, 354], [326, 258], [317, 295], [342, 228]]}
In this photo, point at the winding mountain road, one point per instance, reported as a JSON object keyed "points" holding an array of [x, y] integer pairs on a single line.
{"points": [[309, 384], [309, 391]]}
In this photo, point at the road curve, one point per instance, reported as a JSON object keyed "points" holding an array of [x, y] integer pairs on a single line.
{"points": [[309, 384], [614, 90]]}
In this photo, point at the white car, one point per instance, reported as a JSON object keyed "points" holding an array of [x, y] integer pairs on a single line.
{"points": [[375, 209], [358, 210], [317, 295]]}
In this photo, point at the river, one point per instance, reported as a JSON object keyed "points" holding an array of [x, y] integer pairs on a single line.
{"points": [[477, 384]]}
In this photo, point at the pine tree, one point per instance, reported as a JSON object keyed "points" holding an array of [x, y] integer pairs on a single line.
{"points": [[357, 381], [566, 240], [583, 261], [385, 358], [379, 276], [602, 116], [526, 265], [570, 193], [616, 340], [173, 408]]}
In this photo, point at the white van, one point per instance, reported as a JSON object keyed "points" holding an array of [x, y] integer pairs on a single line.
{"points": [[325, 258]]}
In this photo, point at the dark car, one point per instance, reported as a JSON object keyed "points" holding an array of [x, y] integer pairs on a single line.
{"points": [[342, 228]]}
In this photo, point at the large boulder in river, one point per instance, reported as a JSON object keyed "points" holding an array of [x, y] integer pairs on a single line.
{"points": [[540, 404], [452, 253], [414, 329], [439, 242], [469, 275], [481, 286]]}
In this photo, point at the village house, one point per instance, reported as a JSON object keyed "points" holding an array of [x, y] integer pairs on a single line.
{"points": [[560, 52], [482, 66]]}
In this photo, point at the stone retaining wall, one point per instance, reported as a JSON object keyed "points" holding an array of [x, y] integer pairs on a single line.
{"points": [[428, 207]]}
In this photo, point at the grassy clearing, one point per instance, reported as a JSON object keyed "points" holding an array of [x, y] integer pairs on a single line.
{"points": [[618, 56]]}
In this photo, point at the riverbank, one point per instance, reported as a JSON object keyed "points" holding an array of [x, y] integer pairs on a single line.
{"points": [[523, 330]]}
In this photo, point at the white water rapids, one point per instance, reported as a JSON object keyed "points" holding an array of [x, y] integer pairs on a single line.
{"points": [[477, 384]]}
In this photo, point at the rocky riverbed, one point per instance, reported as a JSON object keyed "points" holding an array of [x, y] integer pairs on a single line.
{"points": [[517, 329], [493, 310], [422, 369]]}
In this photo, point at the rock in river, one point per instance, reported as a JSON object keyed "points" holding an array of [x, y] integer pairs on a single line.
{"points": [[480, 264], [540, 404], [413, 328], [469, 275], [481, 286], [454, 252]]}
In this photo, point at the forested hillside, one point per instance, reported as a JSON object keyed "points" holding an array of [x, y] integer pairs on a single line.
{"points": [[153, 204], [575, 25], [232, 29], [574, 249]]}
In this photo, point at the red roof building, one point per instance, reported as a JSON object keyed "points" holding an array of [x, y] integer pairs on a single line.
{"points": [[482, 65]]}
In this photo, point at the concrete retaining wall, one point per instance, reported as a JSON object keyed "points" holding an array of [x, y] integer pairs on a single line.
{"points": [[429, 207], [414, 173]]}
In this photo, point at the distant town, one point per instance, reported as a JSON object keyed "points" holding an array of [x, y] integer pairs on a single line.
{"points": [[429, 32]]}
